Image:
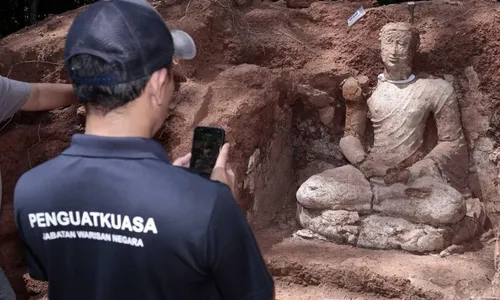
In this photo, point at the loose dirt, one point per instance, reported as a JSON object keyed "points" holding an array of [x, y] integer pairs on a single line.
{"points": [[287, 291], [375, 273], [251, 58]]}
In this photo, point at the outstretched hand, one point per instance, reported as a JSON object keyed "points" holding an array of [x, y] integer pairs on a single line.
{"points": [[222, 171], [183, 161]]}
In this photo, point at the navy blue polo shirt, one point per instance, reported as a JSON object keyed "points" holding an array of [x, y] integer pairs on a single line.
{"points": [[111, 218]]}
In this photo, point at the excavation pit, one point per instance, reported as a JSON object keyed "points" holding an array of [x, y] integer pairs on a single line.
{"points": [[271, 75]]}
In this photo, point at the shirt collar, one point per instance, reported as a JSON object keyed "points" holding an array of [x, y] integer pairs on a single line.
{"points": [[410, 79], [115, 147]]}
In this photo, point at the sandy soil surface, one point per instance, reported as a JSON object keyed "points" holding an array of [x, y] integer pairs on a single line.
{"points": [[289, 291], [366, 273]]}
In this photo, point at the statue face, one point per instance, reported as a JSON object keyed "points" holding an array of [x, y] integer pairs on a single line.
{"points": [[399, 43], [396, 49]]}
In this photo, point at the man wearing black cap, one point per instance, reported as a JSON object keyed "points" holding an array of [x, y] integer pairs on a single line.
{"points": [[111, 218]]}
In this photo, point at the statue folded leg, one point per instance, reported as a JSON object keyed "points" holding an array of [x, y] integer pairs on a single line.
{"points": [[343, 188], [329, 203], [426, 200]]}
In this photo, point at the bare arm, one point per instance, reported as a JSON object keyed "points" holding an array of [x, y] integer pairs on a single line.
{"points": [[13, 95], [47, 96]]}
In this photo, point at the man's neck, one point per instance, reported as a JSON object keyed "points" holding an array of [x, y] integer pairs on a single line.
{"points": [[116, 126]]}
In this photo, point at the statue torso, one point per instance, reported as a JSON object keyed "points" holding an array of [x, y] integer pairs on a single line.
{"points": [[399, 115]]}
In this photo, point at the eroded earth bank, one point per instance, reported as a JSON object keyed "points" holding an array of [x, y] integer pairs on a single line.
{"points": [[271, 73]]}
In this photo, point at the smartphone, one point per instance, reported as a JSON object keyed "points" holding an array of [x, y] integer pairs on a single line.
{"points": [[207, 142]]}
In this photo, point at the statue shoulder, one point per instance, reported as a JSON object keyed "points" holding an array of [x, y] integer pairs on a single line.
{"points": [[438, 93], [437, 85], [445, 86]]}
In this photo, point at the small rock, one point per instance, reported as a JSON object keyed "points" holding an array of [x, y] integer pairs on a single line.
{"points": [[352, 239], [305, 233], [495, 156], [476, 209], [315, 97], [351, 90], [363, 81], [252, 162], [326, 115], [453, 249]]}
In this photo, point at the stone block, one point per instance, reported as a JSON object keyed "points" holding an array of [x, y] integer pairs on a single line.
{"points": [[314, 97], [472, 224], [337, 226], [395, 233]]}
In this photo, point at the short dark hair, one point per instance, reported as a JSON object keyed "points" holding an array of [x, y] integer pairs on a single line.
{"points": [[102, 98]]}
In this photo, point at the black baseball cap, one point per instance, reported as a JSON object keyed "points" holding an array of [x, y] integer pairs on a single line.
{"points": [[128, 34]]}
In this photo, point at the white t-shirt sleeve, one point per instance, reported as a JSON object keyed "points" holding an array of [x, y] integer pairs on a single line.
{"points": [[13, 95]]}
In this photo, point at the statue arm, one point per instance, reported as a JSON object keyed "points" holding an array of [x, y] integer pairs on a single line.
{"points": [[451, 149], [351, 145], [355, 121]]}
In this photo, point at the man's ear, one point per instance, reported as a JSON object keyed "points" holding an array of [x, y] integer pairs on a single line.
{"points": [[156, 86]]}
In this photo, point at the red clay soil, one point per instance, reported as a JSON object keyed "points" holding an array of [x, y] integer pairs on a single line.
{"points": [[250, 59]]}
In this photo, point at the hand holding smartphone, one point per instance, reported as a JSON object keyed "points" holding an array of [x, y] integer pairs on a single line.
{"points": [[209, 155], [207, 143]]}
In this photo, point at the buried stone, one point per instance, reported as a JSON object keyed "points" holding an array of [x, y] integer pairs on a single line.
{"points": [[396, 233], [407, 187], [338, 226]]}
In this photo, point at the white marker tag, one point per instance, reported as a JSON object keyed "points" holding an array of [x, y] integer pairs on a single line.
{"points": [[356, 16]]}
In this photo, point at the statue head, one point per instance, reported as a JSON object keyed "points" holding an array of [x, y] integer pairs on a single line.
{"points": [[399, 44]]}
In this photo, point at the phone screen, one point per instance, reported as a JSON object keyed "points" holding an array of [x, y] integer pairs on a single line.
{"points": [[207, 142]]}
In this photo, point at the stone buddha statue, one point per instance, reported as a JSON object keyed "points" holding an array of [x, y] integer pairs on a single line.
{"points": [[404, 190]]}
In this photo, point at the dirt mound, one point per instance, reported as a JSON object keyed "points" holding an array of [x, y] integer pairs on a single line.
{"points": [[386, 274], [256, 66]]}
